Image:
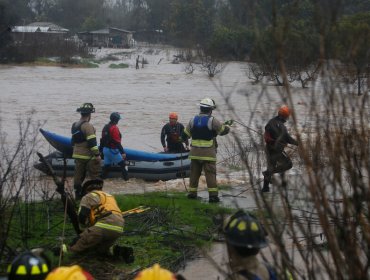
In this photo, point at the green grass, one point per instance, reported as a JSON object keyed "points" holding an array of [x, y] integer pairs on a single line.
{"points": [[118, 66], [171, 231]]}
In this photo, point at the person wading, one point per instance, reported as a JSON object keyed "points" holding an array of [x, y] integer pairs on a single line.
{"points": [[203, 129], [276, 138], [85, 148], [171, 135], [103, 218], [112, 148]]}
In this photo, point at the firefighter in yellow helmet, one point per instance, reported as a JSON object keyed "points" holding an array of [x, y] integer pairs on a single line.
{"points": [[157, 273], [74, 272], [103, 218], [85, 148], [203, 130], [28, 266]]}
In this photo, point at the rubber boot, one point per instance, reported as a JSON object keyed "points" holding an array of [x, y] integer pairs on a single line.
{"points": [[266, 187], [192, 195], [124, 170], [127, 253], [105, 171], [266, 181], [214, 199], [78, 192]]}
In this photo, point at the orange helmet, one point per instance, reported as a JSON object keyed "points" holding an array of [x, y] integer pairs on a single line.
{"points": [[173, 115], [74, 272], [155, 273], [284, 112]]}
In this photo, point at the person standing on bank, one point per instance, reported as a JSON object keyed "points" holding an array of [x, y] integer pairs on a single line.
{"points": [[85, 149], [203, 129], [112, 148], [171, 135], [276, 138]]}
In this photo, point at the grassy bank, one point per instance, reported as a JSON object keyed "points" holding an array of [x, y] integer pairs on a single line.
{"points": [[170, 232]]}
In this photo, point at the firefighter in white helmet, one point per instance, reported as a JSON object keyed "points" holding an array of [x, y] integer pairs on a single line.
{"points": [[203, 130]]}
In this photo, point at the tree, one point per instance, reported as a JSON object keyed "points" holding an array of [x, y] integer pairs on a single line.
{"points": [[353, 47], [191, 22]]}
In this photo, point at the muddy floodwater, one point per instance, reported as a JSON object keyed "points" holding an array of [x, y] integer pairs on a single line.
{"points": [[144, 97]]}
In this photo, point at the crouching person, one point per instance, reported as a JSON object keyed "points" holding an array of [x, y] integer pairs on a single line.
{"points": [[244, 239], [103, 218]]}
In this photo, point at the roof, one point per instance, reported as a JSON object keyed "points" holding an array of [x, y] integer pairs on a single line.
{"points": [[53, 26], [108, 30], [40, 27]]}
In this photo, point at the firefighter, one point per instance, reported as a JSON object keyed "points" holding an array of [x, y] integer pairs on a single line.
{"points": [[74, 272], [171, 135], [111, 147], [276, 138], [28, 266], [244, 238], [157, 273], [203, 129], [85, 148], [103, 218]]}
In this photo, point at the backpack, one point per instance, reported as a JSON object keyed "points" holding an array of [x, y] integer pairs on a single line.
{"points": [[105, 137]]}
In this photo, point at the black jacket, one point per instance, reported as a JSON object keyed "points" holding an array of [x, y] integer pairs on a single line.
{"points": [[276, 135], [172, 135]]}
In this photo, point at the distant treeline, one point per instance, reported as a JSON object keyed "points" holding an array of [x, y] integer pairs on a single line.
{"points": [[259, 31]]}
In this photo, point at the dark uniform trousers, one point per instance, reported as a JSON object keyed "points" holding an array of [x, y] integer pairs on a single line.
{"points": [[277, 162], [83, 166]]}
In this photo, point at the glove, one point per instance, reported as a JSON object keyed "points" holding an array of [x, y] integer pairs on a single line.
{"points": [[229, 122]]}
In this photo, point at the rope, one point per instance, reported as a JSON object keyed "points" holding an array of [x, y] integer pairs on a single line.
{"points": [[63, 234], [183, 173]]}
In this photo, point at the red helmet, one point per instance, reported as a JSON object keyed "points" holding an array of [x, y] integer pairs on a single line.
{"points": [[173, 115], [284, 112]]}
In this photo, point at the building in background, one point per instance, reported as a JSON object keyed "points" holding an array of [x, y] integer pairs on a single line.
{"points": [[108, 37]]}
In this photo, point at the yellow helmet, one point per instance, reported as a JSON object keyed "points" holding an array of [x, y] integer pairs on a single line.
{"points": [[155, 273], [74, 272]]}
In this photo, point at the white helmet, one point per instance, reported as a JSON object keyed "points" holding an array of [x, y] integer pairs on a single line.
{"points": [[207, 103]]}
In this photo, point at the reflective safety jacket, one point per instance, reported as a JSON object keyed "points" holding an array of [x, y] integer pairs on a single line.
{"points": [[84, 140], [104, 211], [203, 129]]}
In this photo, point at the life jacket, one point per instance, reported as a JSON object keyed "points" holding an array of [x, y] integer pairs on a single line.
{"points": [[107, 206], [106, 139], [77, 134], [250, 276], [200, 129], [268, 138], [174, 135]]}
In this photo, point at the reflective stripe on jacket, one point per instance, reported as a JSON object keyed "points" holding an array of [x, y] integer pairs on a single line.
{"points": [[203, 130], [87, 149], [104, 211]]}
